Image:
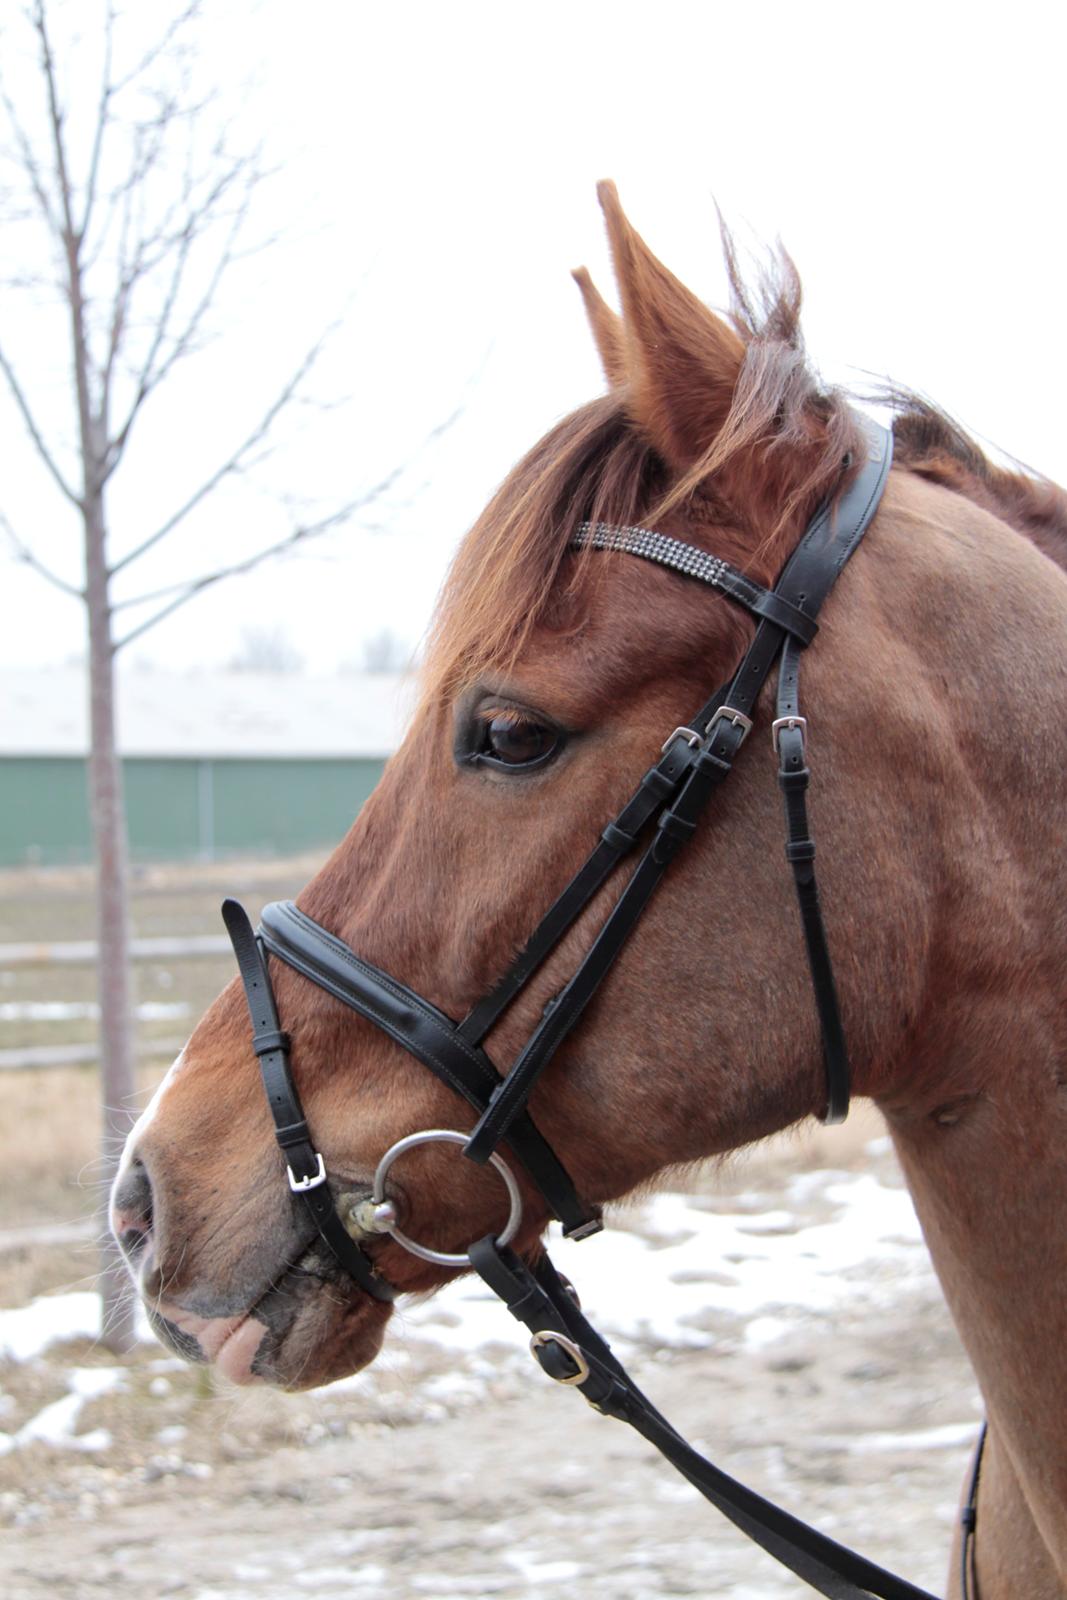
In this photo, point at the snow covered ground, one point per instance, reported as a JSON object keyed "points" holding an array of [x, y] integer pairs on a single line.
{"points": [[660, 1275]]}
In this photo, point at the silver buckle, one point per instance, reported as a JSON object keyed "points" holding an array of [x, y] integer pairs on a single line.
{"points": [[548, 1336], [789, 722], [728, 714], [690, 735], [301, 1185]]}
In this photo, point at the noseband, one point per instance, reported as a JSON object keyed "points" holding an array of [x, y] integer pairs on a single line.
{"points": [[664, 811]]}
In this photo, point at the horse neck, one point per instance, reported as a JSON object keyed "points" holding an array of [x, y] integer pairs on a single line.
{"points": [[991, 1193], [977, 1098]]}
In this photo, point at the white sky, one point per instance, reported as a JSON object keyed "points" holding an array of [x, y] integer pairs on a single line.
{"points": [[436, 174]]}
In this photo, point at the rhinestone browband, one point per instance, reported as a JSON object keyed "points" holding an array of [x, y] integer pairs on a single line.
{"points": [[658, 547]]}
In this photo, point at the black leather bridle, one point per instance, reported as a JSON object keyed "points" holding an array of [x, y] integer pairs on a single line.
{"points": [[664, 812]]}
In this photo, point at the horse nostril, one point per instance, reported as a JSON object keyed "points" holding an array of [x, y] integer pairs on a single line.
{"points": [[131, 1208]]}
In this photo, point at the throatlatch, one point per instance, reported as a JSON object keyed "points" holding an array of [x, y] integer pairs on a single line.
{"points": [[664, 811]]}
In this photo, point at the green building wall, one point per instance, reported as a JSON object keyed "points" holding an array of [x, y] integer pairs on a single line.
{"points": [[182, 809]]}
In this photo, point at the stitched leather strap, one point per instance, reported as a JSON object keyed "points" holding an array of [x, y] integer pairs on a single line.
{"points": [[805, 581], [540, 1299], [675, 827], [692, 562], [427, 1033], [307, 1173], [793, 779], [617, 839]]}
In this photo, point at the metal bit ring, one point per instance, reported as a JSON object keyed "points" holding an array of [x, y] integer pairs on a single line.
{"points": [[443, 1136]]}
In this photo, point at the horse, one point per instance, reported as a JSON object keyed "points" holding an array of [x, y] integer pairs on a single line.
{"points": [[937, 746]]}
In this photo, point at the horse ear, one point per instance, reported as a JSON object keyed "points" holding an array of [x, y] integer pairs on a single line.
{"points": [[682, 361], [606, 328]]}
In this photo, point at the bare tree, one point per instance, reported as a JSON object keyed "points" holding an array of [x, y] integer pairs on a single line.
{"points": [[267, 649], [138, 212]]}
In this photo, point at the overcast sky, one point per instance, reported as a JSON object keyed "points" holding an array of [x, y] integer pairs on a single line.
{"points": [[435, 170]]}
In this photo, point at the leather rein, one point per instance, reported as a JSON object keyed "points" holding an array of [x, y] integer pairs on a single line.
{"points": [[664, 812]]}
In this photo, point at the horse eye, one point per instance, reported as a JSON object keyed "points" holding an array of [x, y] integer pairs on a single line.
{"points": [[516, 740]]}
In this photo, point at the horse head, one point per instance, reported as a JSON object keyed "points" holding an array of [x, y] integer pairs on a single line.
{"points": [[554, 673]]}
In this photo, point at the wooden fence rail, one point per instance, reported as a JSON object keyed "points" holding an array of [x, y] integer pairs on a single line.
{"points": [[82, 952], [32, 1057]]}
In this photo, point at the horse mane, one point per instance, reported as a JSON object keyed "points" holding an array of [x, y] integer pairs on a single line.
{"points": [[933, 446], [778, 453]]}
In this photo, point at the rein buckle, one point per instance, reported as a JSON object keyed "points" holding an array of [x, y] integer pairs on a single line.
{"points": [[548, 1336]]}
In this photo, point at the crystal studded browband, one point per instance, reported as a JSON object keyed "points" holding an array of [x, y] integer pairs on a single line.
{"points": [[659, 547], [692, 562]]}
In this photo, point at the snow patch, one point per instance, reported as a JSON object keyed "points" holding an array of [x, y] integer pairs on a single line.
{"points": [[28, 1331], [55, 1425]]}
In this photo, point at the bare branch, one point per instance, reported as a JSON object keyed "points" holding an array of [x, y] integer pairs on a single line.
{"points": [[56, 118], [185, 592], [30, 165], [34, 431], [119, 307], [23, 553], [235, 462], [162, 46], [156, 366], [103, 121]]}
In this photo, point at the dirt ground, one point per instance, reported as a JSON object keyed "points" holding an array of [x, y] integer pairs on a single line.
{"points": [[445, 1475], [454, 1475]]}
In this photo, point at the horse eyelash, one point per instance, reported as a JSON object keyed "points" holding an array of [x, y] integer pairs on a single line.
{"points": [[511, 714]]}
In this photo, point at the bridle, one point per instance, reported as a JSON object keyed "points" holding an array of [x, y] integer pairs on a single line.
{"points": [[664, 812]]}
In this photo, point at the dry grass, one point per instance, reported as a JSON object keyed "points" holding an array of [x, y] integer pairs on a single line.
{"points": [[50, 1165], [50, 1127]]}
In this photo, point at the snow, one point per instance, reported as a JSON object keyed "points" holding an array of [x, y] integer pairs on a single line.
{"points": [[689, 1261], [657, 1275], [948, 1437], [760, 1268], [55, 1424], [29, 1331]]}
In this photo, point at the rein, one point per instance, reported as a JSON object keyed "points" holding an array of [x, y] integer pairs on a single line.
{"points": [[672, 795]]}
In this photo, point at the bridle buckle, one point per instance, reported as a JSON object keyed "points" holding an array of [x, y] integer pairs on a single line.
{"points": [[690, 735], [732, 715], [801, 723], [314, 1181]]}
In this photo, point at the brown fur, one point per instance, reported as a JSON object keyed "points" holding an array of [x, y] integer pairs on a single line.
{"points": [[935, 693], [606, 328]]}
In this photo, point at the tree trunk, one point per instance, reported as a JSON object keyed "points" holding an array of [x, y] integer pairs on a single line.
{"points": [[108, 814]]}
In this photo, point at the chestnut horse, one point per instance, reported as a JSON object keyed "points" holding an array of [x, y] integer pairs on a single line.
{"points": [[937, 694]]}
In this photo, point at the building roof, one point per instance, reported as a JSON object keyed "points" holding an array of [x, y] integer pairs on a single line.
{"points": [[44, 712]]}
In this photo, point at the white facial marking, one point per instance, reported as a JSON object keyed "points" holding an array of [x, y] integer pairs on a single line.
{"points": [[147, 1114]]}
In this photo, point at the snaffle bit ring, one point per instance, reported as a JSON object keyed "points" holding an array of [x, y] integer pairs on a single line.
{"points": [[440, 1136]]}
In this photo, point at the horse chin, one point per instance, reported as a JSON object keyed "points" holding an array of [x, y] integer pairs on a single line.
{"points": [[312, 1326]]}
